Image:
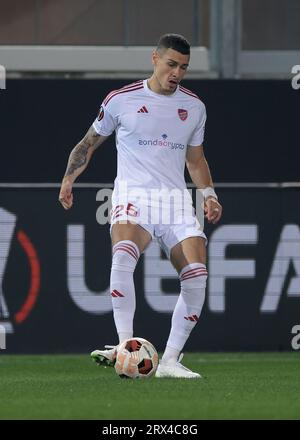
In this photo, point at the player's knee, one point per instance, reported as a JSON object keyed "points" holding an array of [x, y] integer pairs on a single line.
{"points": [[194, 274], [125, 256], [193, 283]]}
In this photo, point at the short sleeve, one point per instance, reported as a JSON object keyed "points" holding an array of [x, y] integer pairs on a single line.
{"points": [[197, 136], [105, 123]]}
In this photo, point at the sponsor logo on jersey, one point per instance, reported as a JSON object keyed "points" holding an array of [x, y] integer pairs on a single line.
{"points": [[183, 114], [161, 143], [101, 113]]}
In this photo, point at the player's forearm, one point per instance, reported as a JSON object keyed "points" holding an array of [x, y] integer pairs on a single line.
{"points": [[200, 173], [82, 153], [78, 160]]}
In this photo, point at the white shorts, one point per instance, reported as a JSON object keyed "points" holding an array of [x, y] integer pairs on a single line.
{"points": [[168, 226]]}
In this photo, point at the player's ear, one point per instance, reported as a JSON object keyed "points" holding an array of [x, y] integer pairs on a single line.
{"points": [[155, 57]]}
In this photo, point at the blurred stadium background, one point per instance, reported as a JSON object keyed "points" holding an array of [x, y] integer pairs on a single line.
{"points": [[59, 59]]}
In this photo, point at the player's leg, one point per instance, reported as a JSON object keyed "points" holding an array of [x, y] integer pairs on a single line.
{"points": [[189, 259], [128, 242], [188, 251]]}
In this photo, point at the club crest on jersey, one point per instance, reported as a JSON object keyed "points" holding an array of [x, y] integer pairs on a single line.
{"points": [[183, 114], [100, 114]]}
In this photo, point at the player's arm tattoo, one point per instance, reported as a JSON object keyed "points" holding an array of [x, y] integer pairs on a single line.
{"points": [[82, 152], [78, 158]]}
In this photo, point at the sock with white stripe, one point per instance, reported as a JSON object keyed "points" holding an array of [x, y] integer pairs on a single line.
{"points": [[187, 310], [125, 257]]}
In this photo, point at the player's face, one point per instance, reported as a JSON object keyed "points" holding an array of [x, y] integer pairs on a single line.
{"points": [[170, 67]]}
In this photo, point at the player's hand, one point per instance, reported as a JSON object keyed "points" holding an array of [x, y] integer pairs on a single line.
{"points": [[65, 195], [213, 210]]}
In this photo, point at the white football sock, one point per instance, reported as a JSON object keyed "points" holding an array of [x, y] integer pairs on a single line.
{"points": [[123, 336], [125, 257], [187, 310]]}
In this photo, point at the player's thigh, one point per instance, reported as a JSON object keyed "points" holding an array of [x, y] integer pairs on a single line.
{"points": [[190, 250], [132, 232]]}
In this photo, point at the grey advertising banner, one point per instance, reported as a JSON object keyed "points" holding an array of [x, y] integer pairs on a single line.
{"points": [[55, 269]]}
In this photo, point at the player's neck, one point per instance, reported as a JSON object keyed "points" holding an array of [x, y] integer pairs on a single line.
{"points": [[155, 86]]}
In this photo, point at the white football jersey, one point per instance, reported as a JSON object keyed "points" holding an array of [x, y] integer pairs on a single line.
{"points": [[152, 134]]}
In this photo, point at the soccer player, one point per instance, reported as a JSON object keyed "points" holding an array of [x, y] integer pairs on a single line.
{"points": [[159, 128]]}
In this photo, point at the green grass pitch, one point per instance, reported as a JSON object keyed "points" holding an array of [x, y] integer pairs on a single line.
{"points": [[233, 386]]}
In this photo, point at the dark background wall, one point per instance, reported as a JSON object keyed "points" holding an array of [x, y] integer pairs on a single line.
{"points": [[252, 132]]}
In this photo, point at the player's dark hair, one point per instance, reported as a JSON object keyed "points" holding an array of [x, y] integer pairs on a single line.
{"points": [[174, 41]]}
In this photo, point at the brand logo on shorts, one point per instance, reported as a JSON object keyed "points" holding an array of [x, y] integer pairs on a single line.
{"points": [[183, 114]]}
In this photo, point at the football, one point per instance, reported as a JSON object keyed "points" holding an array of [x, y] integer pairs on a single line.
{"points": [[136, 358]]}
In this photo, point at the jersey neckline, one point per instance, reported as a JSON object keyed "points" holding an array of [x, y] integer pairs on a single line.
{"points": [[158, 95]]}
